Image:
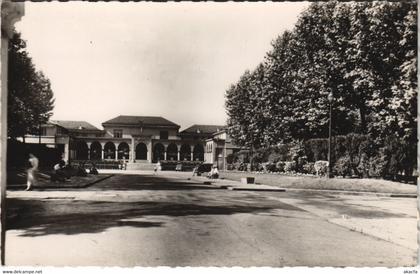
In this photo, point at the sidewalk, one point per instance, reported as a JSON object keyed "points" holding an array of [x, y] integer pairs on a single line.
{"points": [[334, 185], [237, 185], [405, 191], [390, 219], [234, 185], [400, 229]]}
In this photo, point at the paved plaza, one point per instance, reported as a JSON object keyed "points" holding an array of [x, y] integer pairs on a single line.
{"points": [[169, 220]]}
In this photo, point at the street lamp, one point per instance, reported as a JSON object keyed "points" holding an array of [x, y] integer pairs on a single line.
{"points": [[330, 100]]}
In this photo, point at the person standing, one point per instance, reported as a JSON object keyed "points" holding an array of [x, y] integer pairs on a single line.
{"points": [[215, 174], [32, 171], [157, 168]]}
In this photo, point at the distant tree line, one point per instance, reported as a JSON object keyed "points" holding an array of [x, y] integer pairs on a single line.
{"points": [[363, 53], [30, 97]]}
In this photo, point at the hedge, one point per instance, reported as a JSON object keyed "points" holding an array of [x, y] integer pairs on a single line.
{"points": [[351, 155]]}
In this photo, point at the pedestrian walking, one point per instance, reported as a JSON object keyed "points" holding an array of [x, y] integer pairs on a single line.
{"points": [[32, 171], [156, 168]]}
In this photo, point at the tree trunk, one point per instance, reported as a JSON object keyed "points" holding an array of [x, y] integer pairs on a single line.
{"points": [[362, 112]]}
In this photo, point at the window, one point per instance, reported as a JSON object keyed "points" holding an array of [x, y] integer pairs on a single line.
{"points": [[164, 135], [117, 133], [43, 131], [209, 147]]}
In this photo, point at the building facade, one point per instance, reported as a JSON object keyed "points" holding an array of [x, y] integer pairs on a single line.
{"points": [[131, 139], [220, 149]]}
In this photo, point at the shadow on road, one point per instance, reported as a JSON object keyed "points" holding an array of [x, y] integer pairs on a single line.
{"points": [[44, 217], [149, 182]]}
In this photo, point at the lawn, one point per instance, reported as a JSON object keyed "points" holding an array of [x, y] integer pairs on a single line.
{"points": [[323, 183]]}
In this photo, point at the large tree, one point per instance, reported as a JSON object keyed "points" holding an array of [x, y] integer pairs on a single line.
{"points": [[363, 53], [30, 98]]}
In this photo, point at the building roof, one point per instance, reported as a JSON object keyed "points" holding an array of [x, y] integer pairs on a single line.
{"points": [[202, 129], [141, 120], [74, 125]]}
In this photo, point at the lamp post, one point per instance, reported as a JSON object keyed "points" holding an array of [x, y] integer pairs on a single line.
{"points": [[330, 100]]}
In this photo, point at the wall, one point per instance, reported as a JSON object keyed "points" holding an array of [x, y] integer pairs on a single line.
{"points": [[155, 133]]}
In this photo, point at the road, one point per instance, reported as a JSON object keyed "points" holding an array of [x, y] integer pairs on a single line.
{"points": [[146, 220]]}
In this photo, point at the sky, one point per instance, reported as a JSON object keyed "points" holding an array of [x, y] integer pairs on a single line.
{"points": [[174, 60]]}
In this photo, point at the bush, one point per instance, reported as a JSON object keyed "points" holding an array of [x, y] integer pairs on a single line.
{"points": [[241, 156], [301, 161], [321, 167], [270, 167], [278, 153], [297, 150], [231, 158], [309, 168], [377, 167], [290, 166], [316, 149], [280, 166], [230, 166], [363, 166], [240, 166], [258, 167], [258, 156], [343, 166], [186, 165]]}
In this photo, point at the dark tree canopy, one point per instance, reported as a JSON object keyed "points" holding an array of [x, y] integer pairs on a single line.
{"points": [[363, 53], [30, 98]]}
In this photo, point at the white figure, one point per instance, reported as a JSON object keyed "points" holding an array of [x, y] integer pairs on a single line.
{"points": [[32, 171]]}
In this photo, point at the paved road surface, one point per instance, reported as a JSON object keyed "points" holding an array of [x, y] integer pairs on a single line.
{"points": [[146, 220]]}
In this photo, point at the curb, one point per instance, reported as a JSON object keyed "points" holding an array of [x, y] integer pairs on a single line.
{"points": [[256, 189], [357, 193], [235, 186], [239, 187], [17, 187]]}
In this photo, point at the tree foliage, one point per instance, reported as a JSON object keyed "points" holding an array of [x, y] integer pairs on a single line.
{"points": [[30, 97]]}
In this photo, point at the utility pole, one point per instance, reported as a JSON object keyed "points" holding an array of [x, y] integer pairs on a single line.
{"points": [[330, 99]]}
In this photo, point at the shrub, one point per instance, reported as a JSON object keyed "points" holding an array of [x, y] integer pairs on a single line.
{"points": [[271, 167], [343, 166], [363, 166], [309, 168], [316, 149], [230, 167], [290, 166], [280, 166], [321, 167], [278, 153], [399, 155], [297, 150], [300, 162], [259, 155], [231, 158], [268, 167], [257, 167], [377, 167], [242, 156], [240, 166]]}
